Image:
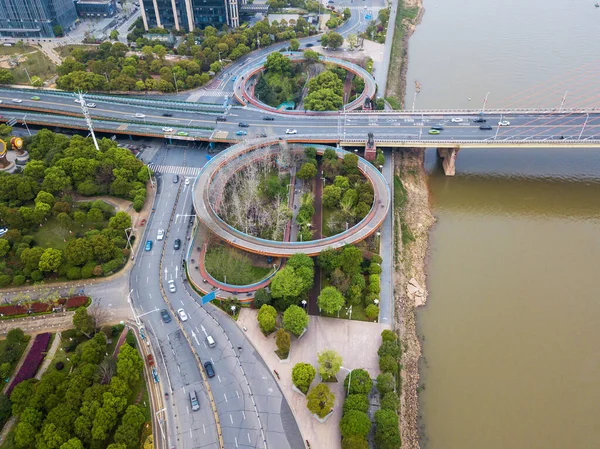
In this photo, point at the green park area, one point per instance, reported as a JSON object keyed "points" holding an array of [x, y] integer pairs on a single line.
{"points": [[234, 266], [56, 229], [21, 62]]}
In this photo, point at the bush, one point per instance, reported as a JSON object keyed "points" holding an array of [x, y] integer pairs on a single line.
{"points": [[386, 383], [358, 402], [131, 340], [388, 335], [361, 382], [388, 364], [302, 376], [320, 400], [261, 297], [355, 423], [387, 432], [372, 311], [111, 266], [59, 366], [282, 340], [355, 442], [390, 401], [266, 318], [19, 279], [74, 273], [389, 348]]}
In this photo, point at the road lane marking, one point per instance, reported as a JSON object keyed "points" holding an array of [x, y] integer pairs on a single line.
{"points": [[238, 393], [150, 295], [204, 428], [225, 396], [181, 302], [248, 433], [219, 377], [231, 418], [178, 369], [213, 362], [235, 438], [191, 436], [244, 415]]}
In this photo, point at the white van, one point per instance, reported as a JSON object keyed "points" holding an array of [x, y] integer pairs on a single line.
{"points": [[210, 341], [194, 401]]}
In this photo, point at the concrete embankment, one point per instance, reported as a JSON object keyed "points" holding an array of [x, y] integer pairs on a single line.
{"points": [[413, 220]]}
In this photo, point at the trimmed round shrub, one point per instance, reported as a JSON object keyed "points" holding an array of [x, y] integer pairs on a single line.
{"points": [[361, 382], [390, 401], [386, 383], [74, 273], [355, 442], [355, 423], [358, 402], [59, 366]]}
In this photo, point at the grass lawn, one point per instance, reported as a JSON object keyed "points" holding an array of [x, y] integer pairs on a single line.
{"points": [[51, 235], [19, 351], [36, 63], [327, 212], [225, 262], [9, 443]]}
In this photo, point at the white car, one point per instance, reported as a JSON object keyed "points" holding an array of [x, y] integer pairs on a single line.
{"points": [[456, 120], [0, 101], [161, 234], [138, 115], [91, 105], [504, 123], [187, 181], [3, 231], [182, 315], [291, 131], [17, 100], [172, 287], [166, 129], [77, 100]]}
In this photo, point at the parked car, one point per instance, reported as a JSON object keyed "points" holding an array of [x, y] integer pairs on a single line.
{"points": [[182, 315], [291, 131], [177, 244], [161, 234], [148, 245], [172, 287], [165, 316], [150, 359], [3, 231], [210, 371]]}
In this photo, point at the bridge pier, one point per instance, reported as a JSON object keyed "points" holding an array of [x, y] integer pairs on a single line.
{"points": [[448, 156]]}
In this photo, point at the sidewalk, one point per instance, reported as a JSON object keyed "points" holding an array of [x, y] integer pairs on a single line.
{"points": [[356, 341]]}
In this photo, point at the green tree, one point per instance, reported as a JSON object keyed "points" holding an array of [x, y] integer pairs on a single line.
{"points": [[302, 376], [266, 318], [282, 340], [350, 260], [388, 335], [355, 442], [294, 44], [390, 401], [361, 382], [311, 56], [50, 260], [387, 431], [330, 300], [4, 247], [388, 364], [329, 362], [83, 321], [389, 348], [320, 400], [129, 365], [261, 296], [295, 320], [307, 171], [278, 63], [6, 77], [331, 196], [95, 215], [73, 443], [290, 284], [358, 402], [78, 252], [334, 40], [128, 433], [386, 383], [355, 422], [372, 311]]}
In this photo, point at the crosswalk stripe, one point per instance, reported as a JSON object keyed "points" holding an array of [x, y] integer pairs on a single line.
{"points": [[175, 169]]}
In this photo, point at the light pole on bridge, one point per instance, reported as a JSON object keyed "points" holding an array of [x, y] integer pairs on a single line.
{"points": [[562, 102], [484, 103]]}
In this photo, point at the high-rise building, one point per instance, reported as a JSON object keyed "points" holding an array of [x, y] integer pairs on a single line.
{"points": [[35, 18], [96, 8], [186, 15]]}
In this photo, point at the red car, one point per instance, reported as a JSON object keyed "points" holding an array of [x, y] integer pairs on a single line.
{"points": [[150, 360], [143, 222]]}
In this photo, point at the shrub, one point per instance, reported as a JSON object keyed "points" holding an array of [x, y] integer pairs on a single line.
{"points": [[388, 335], [282, 340], [361, 382], [131, 340], [320, 400], [32, 361], [302, 376], [358, 402], [261, 297], [74, 273], [355, 442], [59, 366], [390, 401], [389, 348], [387, 432], [355, 422], [388, 364], [19, 279], [386, 383], [266, 318], [372, 311]]}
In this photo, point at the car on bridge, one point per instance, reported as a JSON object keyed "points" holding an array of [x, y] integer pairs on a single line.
{"points": [[17, 100], [183, 133], [241, 133], [182, 315], [166, 129], [243, 125], [434, 131], [485, 127], [504, 123], [148, 245], [165, 316], [91, 105], [172, 287], [268, 118], [479, 120], [456, 120], [210, 371], [139, 115], [438, 127], [35, 98], [167, 114], [291, 131]]}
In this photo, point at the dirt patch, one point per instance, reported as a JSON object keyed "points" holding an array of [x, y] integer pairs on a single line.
{"points": [[396, 80], [417, 217]]}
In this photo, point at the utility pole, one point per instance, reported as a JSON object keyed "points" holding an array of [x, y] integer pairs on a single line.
{"points": [[88, 120], [484, 103], [563, 101]]}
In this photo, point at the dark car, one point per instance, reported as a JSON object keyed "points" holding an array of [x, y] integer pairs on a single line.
{"points": [[177, 244], [165, 316], [243, 125], [485, 127], [438, 127], [175, 179], [268, 118], [479, 120], [167, 114], [309, 45], [221, 119], [210, 371]]}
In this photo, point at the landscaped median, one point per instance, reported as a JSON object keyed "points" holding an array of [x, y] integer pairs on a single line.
{"points": [[31, 308]]}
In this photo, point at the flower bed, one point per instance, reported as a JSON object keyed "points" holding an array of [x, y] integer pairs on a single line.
{"points": [[32, 361], [43, 307]]}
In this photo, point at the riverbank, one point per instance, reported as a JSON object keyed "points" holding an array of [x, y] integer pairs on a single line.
{"points": [[408, 15], [413, 220]]}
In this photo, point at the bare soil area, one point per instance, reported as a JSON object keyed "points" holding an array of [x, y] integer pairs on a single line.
{"points": [[416, 215]]}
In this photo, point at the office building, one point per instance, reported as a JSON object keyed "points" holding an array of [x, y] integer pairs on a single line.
{"points": [[96, 8], [186, 15], [35, 18]]}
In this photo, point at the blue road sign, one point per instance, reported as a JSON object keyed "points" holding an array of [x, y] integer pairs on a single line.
{"points": [[208, 157], [209, 297]]}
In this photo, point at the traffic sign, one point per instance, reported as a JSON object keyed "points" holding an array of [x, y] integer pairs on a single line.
{"points": [[209, 297]]}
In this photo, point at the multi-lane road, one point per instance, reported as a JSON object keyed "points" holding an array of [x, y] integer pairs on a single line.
{"points": [[246, 401]]}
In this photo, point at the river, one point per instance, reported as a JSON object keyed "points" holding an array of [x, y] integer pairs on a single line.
{"points": [[510, 330]]}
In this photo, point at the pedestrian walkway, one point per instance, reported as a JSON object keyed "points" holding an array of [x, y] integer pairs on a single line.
{"points": [[38, 324], [213, 93], [175, 169], [49, 355]]}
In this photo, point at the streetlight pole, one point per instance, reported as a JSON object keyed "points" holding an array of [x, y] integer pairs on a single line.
{"points": [[498, 129], [349, 379], [563, 101], [484, 103]]}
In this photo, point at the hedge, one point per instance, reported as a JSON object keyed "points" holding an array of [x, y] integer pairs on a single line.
{"points": [[43, 307]]}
